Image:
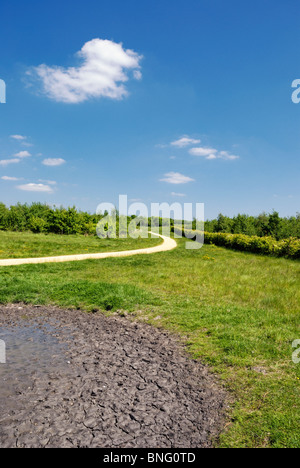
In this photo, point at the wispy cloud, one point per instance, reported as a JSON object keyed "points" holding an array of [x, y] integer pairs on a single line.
{"points": [[176, 178], [10, 178], [202, 151], [35, 188], [22, 154], [227, 155], [185, 141], [102, 74], [137, 74], [18, 137], [175, 194], [21, 139], [48, 182], [53, 162], [212, 153], [6, 162]]}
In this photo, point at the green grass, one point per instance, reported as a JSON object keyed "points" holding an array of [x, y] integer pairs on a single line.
{"points": [[237, 312], [28, 245]]}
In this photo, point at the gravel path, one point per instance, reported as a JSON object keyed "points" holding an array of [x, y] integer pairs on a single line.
{"points": [[168, 244], [108, 382]]}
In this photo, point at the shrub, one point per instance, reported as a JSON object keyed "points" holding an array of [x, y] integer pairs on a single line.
{"points": [[289, 248], [37, 225]]}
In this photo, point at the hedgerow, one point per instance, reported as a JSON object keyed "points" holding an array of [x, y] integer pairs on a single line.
{"points": [[289, 248], [263, 225]]}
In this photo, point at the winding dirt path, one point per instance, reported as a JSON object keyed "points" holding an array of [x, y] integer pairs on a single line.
{"points": [[168, 244]]}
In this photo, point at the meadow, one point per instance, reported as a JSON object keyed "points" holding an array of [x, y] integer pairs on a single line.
{"points": [[28, 245], [238, 312]]}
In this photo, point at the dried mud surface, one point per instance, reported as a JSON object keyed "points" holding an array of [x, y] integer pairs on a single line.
{"points": [[87, 380]]}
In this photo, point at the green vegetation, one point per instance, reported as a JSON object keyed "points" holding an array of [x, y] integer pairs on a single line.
{"points": [[28, 245], [40, 218], [263, 225], [289, 248], [236, 311]]}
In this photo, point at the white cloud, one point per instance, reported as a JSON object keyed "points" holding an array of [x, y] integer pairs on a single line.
{"points": [[202, 151], [10, 178], [185, 141], [21, 139], [212, 153], [137, 74], [35, 188], [48, 182], [176, 178], [175, 194], [53, 162], [211, 156], [6, 162], [226, 155], [18, 137], [22, 154], [102, 73]]}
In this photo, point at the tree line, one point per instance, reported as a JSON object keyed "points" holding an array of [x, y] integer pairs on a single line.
{"points": [[262, 225], [41, 218]]}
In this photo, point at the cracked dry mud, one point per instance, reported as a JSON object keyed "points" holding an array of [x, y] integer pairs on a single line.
{"points": [[94, 381]]}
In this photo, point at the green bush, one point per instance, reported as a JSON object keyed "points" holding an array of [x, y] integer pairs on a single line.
{"points": [[263, 225], [37, 225], [289, 248]]}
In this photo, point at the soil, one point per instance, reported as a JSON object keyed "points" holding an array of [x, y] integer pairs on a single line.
{"points": [[74, 379]]}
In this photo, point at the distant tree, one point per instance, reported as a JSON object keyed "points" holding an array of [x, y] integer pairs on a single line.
{"points": [[224, 224], [3, 216], [274, 224], [243, 224], [262, 225]]}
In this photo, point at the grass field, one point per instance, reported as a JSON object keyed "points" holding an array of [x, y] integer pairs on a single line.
{"points": [[237, 312], [28, 245]]}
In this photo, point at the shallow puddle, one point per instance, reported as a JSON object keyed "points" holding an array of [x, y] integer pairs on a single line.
{"points": [[32, 349]]}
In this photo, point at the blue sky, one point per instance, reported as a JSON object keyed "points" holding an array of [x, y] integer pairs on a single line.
{"points": [[168, 101]]}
